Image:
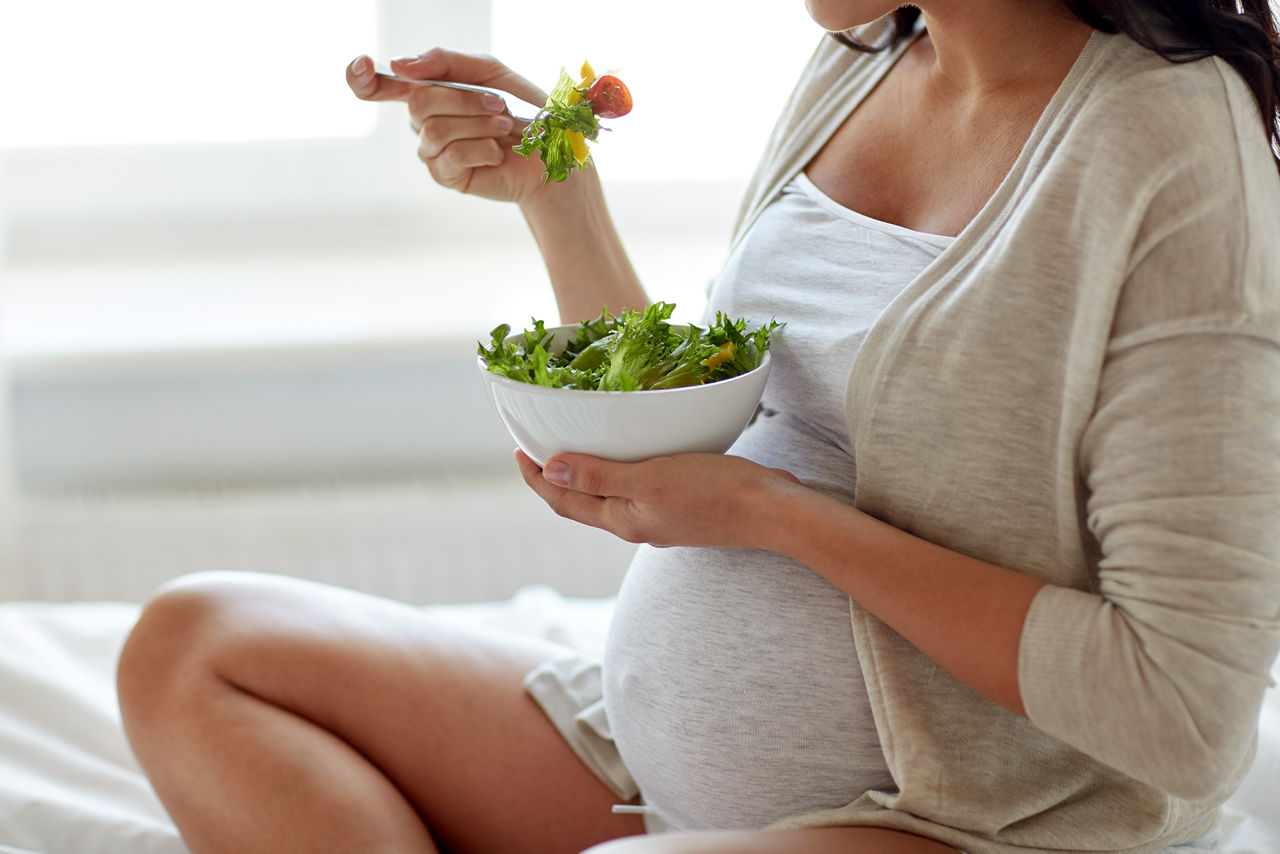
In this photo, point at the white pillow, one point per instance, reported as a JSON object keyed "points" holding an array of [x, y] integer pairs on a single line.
{"points": [[1251, 819], [69, 784]]}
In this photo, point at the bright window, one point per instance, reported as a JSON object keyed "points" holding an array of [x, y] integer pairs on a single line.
{"points": [[144, 110], [201, 176], [704, 100], [148, 72], [161, 109]]}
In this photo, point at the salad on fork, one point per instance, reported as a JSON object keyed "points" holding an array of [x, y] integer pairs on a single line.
{"points": [[571, 118]]}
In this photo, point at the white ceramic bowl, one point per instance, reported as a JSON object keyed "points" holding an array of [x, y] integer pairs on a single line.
{"points": [[624, 425]]}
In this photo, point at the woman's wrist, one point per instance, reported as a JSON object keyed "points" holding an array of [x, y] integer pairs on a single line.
{"points": [[779, 517], [558, 201], [584, 256]]}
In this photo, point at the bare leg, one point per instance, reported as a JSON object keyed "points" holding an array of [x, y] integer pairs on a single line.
{"points": [[827, 840], [276, 715]]}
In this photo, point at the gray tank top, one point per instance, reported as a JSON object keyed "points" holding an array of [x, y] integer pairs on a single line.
{"points": [[731, 684]]}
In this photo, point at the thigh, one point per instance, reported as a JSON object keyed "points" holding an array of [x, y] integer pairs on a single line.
{"points": [[438, 708], [823, 840]]}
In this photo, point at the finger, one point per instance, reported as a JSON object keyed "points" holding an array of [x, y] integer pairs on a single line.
{"points": [[525, 463], [591, 475], [613, 514], [439, 132], [440, 64], [454, 166], [370, 86], [565, 502], [428, 101], [443, 101]]}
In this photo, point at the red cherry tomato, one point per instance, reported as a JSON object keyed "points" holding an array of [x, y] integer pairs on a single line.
{"points": [[609, 97]]}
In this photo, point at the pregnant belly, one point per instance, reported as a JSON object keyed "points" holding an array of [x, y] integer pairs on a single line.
{"points": [[733, 689]]}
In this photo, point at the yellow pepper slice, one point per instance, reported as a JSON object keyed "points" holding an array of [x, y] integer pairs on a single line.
{"points": [[719, 357], [588, 77], [578, 143]]}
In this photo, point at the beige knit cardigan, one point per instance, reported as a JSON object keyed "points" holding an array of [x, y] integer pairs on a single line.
{"points": [[1085, 387]]}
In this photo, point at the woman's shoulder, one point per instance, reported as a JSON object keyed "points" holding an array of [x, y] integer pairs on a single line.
{"points": [[1156, 112], [1140, 139], [1173, 163]]}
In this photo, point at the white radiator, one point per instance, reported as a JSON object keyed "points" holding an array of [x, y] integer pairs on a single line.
{"points": [[420, 542]]}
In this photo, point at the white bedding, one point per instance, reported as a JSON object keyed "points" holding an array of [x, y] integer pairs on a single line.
{"points": [[68, 784]]}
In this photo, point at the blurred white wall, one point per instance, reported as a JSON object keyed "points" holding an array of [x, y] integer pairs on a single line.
{"points": [[240, 320], [8, 501], [8, 498], [260, 284]]}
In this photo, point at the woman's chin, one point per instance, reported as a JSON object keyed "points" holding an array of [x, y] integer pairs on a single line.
{"points": [[836, 16]]}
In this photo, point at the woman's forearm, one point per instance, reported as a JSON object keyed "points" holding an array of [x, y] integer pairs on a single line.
{"points": [[585, 258], [963, 613]]}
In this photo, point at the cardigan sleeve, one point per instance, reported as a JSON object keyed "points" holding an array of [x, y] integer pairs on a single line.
{"points": [[1160, 668], [1160, 671]]}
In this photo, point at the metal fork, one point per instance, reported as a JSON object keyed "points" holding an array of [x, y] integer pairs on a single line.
{"points": [[466, 87]]}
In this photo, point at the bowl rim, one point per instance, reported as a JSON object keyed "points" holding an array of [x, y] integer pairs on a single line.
{"points": [[534, 388]]}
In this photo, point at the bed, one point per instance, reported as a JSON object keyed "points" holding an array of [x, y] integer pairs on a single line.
{"points": [[68, 784]]}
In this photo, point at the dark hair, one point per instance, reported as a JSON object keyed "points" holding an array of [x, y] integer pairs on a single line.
{"points": [[1242, 32]]}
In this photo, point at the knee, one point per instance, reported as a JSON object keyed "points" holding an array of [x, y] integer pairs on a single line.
{"points": [[176, 639]]}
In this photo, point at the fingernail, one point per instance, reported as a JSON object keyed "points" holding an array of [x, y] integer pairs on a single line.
{"points": [[405, 58], [502, 123], [493, 102], [360, 67], [556, 471]]}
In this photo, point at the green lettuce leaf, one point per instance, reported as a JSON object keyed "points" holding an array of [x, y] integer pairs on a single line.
{"points": [[632, 351], [548, 133]]}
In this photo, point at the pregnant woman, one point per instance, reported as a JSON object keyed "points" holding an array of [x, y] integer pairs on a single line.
{"points": [[996, 567]]}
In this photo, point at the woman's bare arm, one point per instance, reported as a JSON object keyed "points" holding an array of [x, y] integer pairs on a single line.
{"points": [[585, 258]]}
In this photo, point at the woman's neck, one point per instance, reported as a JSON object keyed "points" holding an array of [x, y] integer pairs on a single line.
{"points": [[981, 49]]}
